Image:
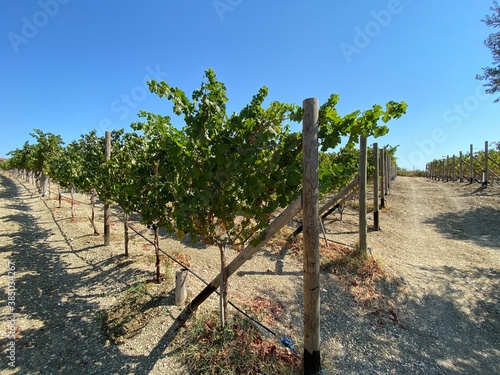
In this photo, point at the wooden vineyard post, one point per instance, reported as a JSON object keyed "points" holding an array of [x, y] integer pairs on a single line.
{"points": [[382, 178], [125, 234], [59, 196], [471, 164], [180, 286], [443, 171], [310, 213], [107, 156], [453, 167], [376, 224], [387, 172], [447, 168], [485, 173], [363, 247], [461, 162], [156, 243]]}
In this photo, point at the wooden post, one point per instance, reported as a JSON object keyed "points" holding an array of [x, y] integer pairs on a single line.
{"points": [[125, 229], [72, 195], [471, 164], [310, 213], [453, 168], [156, 243], [376, 224], [485, 179], [461, 162], [382, 178], [43, 181], [107, 156], [363, 247], [180, 286], [447, 168], [59, 196], [387, 172]]}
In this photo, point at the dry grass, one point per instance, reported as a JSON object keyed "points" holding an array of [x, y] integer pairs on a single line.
{"points": [[208, 348]]}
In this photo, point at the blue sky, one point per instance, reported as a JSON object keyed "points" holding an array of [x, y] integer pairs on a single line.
{"points": [[70, 66]]}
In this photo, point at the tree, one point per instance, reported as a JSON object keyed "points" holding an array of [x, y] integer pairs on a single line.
{"points": [[228, 173], [47, 148], [492, 74], [66, 168]]}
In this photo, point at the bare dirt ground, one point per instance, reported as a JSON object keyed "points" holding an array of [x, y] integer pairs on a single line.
{"points": [[437, 311]]}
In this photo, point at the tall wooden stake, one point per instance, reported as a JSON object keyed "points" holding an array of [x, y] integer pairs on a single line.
{"points": [[125, 234], [448, 168], [382, 178], [387, 172], [363, 247], [453, 168], [485, 179], [461, 161], [107, 156], [376, 223], [310, 209], [156, 243], [471, 164]]}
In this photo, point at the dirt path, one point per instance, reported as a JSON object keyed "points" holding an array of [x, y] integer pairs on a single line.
{"points": [[440, 242], [443, 241]]}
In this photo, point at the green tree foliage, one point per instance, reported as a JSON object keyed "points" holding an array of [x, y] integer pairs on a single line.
{"points": [[222, 175], [492, 74], [47, 148]]}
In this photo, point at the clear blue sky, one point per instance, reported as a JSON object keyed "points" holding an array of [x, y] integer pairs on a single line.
{"points": [[70, 66]]}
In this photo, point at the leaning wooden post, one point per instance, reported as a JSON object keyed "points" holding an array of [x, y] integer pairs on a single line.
{"points": [[471, 164], [382, 178], [376, 224], [363, 247], [485, 179], [107, 156], [461, 162], [310, 213]]}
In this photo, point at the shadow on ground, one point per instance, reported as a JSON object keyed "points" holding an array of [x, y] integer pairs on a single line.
{"points": [[479, 225], [59, 318]]}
